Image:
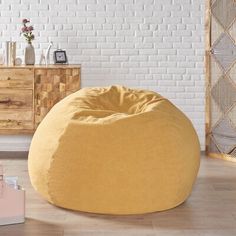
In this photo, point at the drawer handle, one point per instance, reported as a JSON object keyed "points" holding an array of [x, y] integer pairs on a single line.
{"points": [[14, 121], [5, 101], [8, 78], [6, 123]]}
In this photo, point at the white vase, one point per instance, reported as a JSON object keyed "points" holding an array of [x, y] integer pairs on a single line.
{"points": [[29, 54]]}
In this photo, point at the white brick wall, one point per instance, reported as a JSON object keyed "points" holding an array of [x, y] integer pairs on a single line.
{"points": [[151, 44]]}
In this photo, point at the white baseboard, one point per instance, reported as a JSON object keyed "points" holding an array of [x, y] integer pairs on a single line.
{"points": [[13, 143], [20, 147]]}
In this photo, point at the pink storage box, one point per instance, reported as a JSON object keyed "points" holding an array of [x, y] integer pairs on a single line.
{"points": [[12, 203]]}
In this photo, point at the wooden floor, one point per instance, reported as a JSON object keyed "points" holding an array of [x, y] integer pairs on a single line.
{"points": [[211, 209]]}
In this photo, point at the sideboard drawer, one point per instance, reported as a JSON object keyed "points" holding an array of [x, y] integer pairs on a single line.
{"points": [[16, 78], [22, 120], [16, 99]]}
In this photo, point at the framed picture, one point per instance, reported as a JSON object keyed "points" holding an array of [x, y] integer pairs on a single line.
{"points": [[60, 57]]}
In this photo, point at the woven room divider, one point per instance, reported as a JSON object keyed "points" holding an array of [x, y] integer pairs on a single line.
{"points": [[221, 79]]}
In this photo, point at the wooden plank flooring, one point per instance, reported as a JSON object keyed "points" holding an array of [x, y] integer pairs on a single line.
{"points": [[210, 211]]}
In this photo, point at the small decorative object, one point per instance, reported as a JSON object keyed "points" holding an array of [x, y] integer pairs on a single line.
{"points": [[60, 57], [18, 61], [48, 53], [1, 59], [12, 200], [7, 52], [42, 60], [29, 55], [27, 32], [10, 53]]}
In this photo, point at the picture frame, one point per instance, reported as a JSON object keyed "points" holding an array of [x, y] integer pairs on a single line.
{"points": [[60, 57]]}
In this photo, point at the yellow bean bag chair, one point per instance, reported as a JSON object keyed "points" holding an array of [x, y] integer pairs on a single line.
{"points": [[114, 150]]}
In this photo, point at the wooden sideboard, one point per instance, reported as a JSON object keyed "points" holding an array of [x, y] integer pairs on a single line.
{"points": [[27, 93]]}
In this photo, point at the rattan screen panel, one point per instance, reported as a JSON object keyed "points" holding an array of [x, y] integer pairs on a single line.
{"points": [[221, 79]]}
